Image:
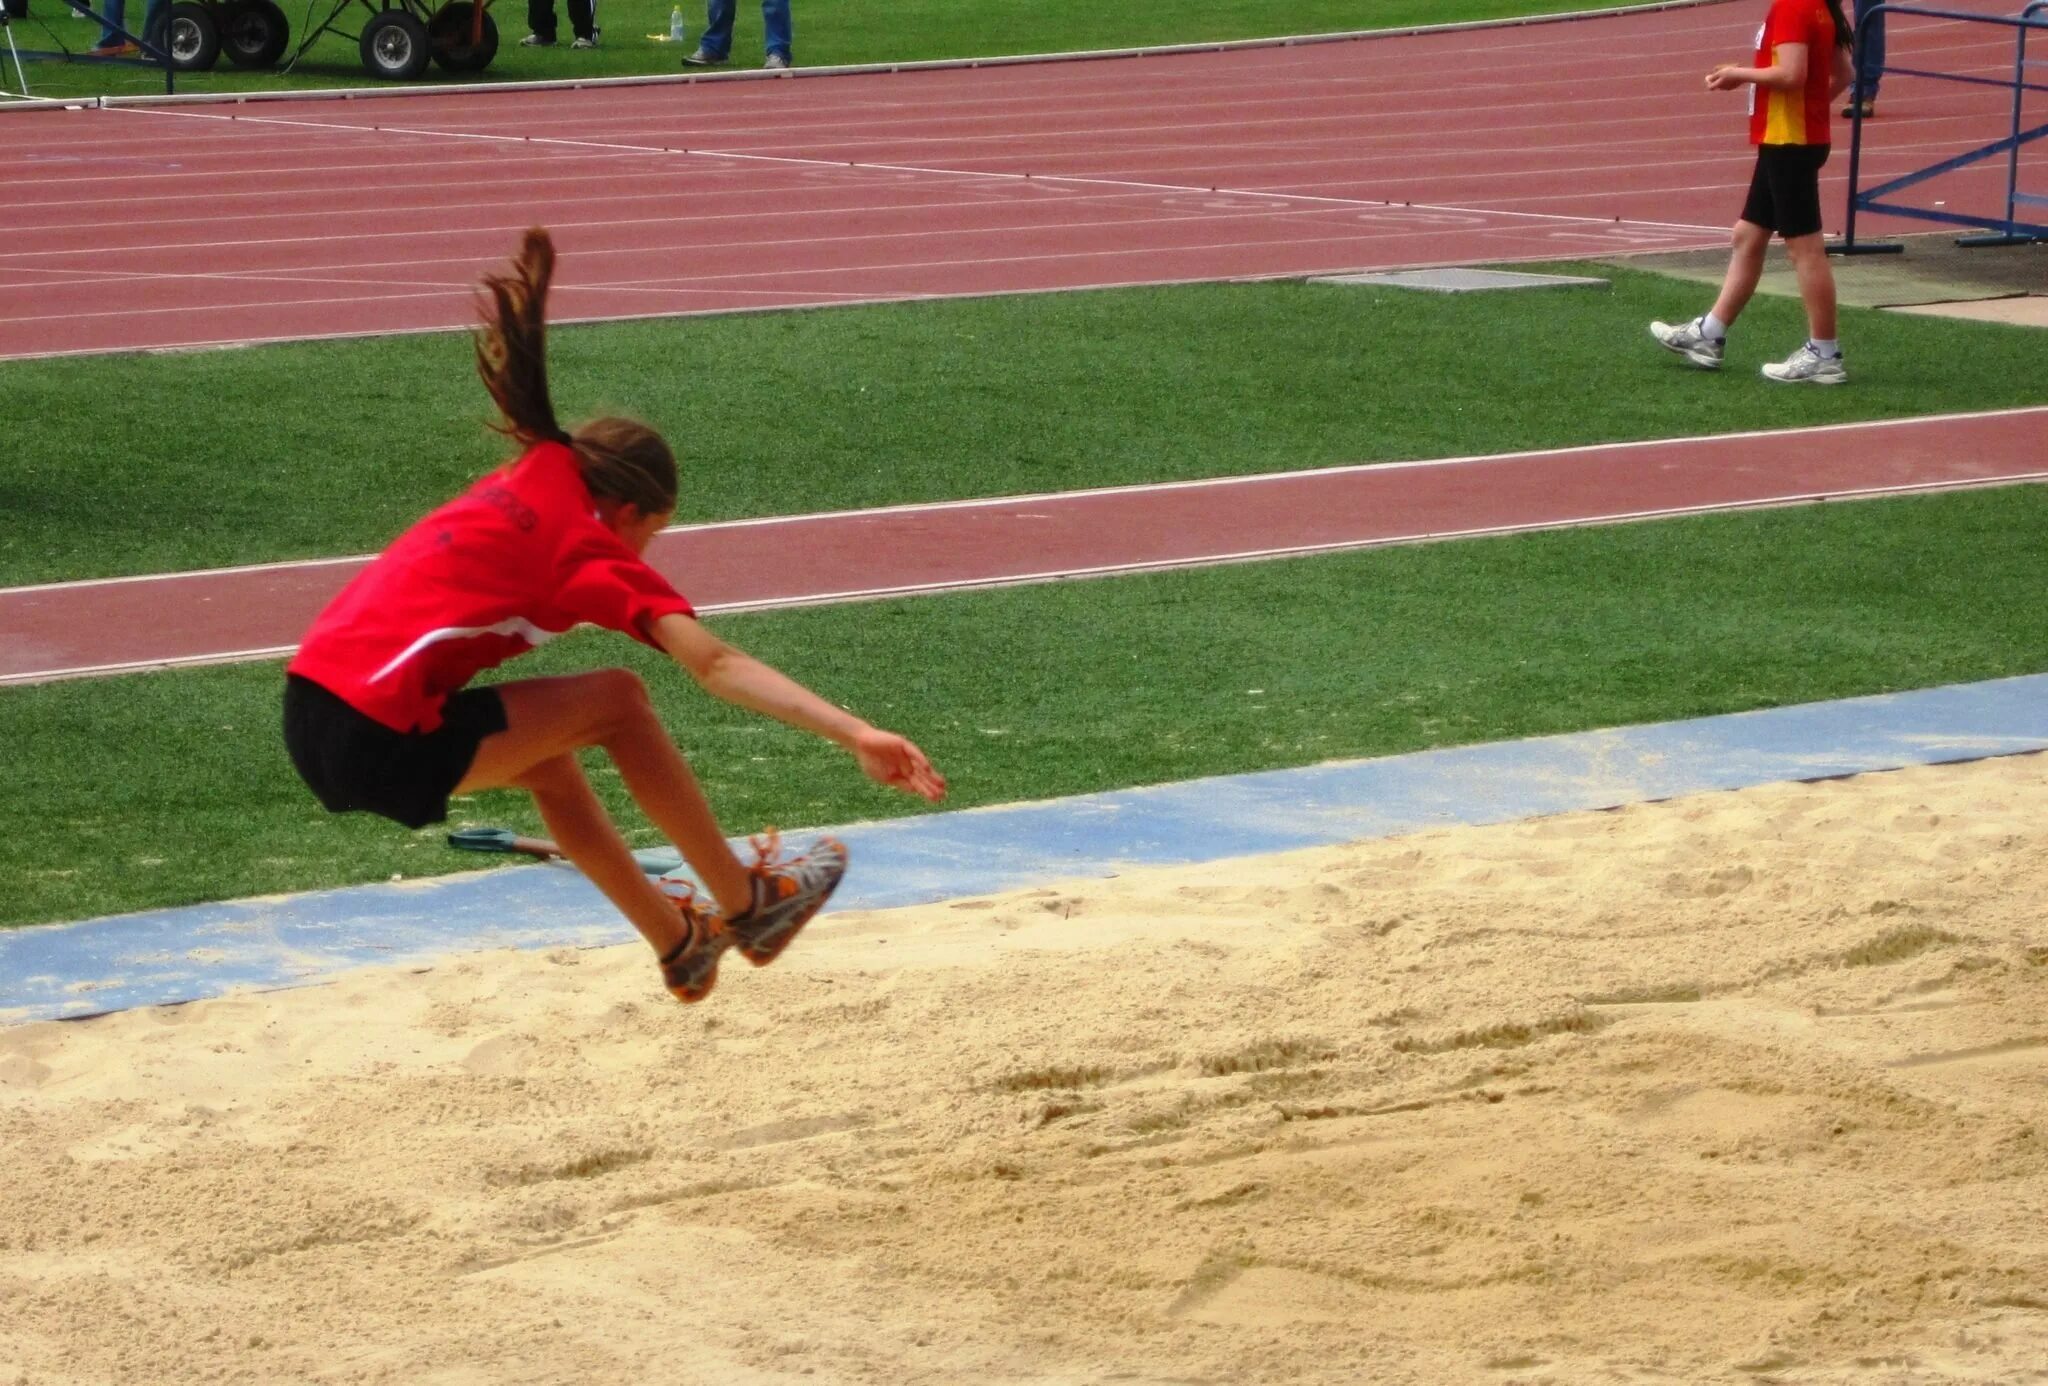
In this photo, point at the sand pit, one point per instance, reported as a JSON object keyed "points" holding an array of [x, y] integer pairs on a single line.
{"points": [[1743, 1087]]}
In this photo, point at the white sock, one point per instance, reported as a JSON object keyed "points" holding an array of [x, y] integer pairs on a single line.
{"points": [[1712, 327], [1824, 350]]}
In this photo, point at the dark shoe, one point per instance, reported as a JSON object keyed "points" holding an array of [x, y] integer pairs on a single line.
{"points": [[704, 57], [1869, 109], [786, 895], [690, 969]]}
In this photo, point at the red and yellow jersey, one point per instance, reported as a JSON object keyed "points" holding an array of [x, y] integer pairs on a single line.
{"points": [[1794, 117], [513, 562]]}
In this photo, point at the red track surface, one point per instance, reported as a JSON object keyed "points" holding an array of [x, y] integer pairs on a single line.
{"points": [[178, 226], [103, 627]]}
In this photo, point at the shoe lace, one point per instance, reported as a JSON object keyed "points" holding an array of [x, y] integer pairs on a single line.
{"points": [[767, 846]]}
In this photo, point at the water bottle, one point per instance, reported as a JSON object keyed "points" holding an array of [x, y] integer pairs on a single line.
{"points": [[676, 32]]}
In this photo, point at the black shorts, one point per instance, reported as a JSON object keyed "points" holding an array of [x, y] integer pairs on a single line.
{"points": [[354, 763], [1784, 192]]}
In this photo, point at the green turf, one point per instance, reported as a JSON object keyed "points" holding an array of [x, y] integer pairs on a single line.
{"points": [[151, 463], [828, 33], [163, 789]]}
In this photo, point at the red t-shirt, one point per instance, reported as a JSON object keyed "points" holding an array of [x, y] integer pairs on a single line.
{"points": [[1794, 117], [513, 562]]}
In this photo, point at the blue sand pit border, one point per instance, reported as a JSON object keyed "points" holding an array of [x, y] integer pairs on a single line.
{"points": [[166, 956]]}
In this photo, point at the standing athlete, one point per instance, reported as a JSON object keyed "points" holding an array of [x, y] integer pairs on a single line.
{"points": [[379, 715], [1801, 65]]}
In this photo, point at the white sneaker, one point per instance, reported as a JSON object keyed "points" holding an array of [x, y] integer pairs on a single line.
{"points": [[776, 62], [1808, 367], [536, 41], [1688, 341], [590, 42]]}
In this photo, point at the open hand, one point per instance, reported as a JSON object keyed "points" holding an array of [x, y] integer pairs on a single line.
{"points": [[887, 758]]}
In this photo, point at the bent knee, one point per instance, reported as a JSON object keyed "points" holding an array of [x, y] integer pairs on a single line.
{"points": [[622, 699], [617, 688]]}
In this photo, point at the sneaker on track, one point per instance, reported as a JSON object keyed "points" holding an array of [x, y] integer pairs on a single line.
{"points": [[777, 62], [690, 969], [1808, 367], [1688, 341], [787, 893]]}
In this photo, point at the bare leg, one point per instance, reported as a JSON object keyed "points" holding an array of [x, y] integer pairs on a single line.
{"points": [[585, 833], [1745, 269], [1816, 284], [548, 719]]}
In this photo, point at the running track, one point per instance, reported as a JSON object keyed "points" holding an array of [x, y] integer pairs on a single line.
{"points": [[105, 627], [164, 226]]}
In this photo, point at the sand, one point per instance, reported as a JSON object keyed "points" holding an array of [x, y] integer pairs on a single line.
{"points": [[1744, 1087]]}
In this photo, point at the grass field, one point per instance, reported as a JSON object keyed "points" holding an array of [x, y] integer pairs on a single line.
{"points": [[828, 33], [269, 456]]}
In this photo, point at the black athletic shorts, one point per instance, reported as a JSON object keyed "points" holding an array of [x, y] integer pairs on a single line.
{"points": [[1784, 192], [354, 763]]}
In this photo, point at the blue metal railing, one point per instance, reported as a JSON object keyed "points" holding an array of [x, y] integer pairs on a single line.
{"points": [[2009, 229]]}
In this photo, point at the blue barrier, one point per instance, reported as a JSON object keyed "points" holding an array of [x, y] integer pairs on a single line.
{"points": [[2008, 229]]}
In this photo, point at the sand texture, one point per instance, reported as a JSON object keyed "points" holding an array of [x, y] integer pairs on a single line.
{"points": [[1745, 1087]]}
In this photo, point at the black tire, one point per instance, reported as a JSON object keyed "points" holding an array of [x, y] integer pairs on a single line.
{"points": [[191, 37], [394, 45], [254, 33], [448, 32]]}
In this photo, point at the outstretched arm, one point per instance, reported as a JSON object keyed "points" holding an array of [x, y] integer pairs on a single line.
{"points": [[738, 678]]}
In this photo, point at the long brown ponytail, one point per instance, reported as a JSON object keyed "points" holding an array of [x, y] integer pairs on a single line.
{"points": [[1845, 35], [620, 459]]}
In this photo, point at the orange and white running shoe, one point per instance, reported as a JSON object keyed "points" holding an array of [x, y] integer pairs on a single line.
{"points": [[690, 969], [787, 893]]}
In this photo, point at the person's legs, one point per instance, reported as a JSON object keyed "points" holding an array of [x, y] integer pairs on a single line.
{"points": [[717, 40], [1870, 51], [548, 719], [582, 20], [114, 18], [775, 21], [1816, 284], [1745, 270], [540, 18], [586, 835]]}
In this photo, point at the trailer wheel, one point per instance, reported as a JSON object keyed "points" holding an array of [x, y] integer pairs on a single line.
{"points": [[394, 45], [449, 31], [191, 37], [254, 33]]}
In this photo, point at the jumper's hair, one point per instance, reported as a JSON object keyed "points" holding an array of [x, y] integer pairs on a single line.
{"points": [[620, 459]]}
